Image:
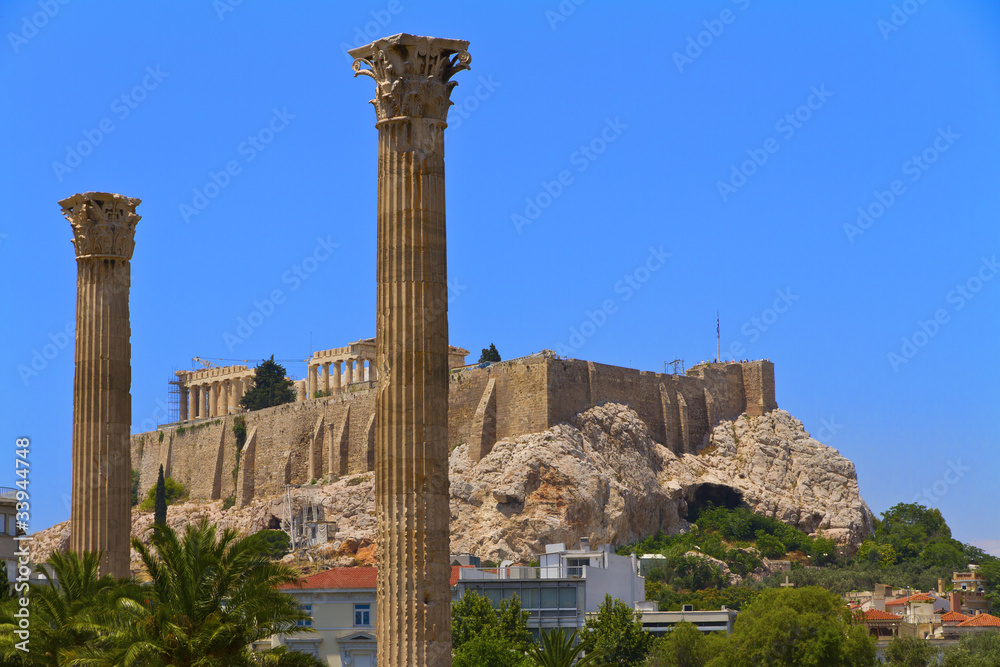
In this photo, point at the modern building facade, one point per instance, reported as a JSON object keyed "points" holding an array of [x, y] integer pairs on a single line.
{"points": [[567, 585]]}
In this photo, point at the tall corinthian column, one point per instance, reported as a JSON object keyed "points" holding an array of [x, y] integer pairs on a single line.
{"points": [[413, 85], [101, 514]]}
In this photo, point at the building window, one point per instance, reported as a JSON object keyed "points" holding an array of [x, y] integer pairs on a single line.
{"points": [[362, 614], [307, 622]]}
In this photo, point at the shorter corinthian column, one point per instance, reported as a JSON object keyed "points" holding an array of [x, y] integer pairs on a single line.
{"points": [[413, 87], [101, 513]]}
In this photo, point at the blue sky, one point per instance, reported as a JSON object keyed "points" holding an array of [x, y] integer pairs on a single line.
{"points": [[822, 175]]}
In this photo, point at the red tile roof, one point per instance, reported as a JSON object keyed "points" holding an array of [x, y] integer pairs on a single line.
{"points": [[879, 615], [981, 621], [954, 616], [348, 578], [919, 597]]}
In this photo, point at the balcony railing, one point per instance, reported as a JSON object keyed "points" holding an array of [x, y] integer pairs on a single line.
{"points": [[523, 572], [7, 493]]}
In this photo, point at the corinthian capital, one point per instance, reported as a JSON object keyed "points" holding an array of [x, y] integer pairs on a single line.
{"points": [[412, 74], [103, 224]]}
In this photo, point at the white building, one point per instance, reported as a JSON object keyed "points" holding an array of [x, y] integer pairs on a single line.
{"points": [[661, 622], [567, 585]]}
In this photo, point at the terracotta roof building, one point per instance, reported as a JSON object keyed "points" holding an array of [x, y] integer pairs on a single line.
{"points": [[341, 603], [880, 623]]}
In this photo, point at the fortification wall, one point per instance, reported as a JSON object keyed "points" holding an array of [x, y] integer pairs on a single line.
{"points": [[334, 436], [288, 448]]}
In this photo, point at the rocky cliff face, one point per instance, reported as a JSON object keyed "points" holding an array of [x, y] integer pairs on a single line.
{"points": [[604, 477], [601, 477]]}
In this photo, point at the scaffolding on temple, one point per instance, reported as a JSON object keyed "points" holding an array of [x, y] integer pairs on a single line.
{"points": [[174, 400]]}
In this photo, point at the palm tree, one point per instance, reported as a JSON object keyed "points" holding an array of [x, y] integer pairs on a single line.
{"points": [[207, 602], [559, 649], [59, 612]]}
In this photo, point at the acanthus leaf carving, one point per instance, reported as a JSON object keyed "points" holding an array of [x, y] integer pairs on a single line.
{"points": [[103, 224], [412, 74]]}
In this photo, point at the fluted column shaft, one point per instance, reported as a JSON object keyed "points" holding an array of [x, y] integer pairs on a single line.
{"points": [[192, 412], [411, 423], [101, 513], [336, 377]]}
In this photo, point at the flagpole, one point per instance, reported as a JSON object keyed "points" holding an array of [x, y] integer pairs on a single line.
{"points": [[718, 351]]}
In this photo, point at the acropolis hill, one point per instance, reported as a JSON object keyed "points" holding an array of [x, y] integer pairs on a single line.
{"points": [[543, 450], [333, 435]]}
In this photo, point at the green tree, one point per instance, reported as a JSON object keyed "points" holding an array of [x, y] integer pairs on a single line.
{"points": [[269, 387], [471, 616], [770, 546], [512, 625], [974, 650], [208, 601], [990, 570], [824, 551], [278, 542], [557, 648], [909, 652], [136, 475], [685, 646], [616, 634], [798, 627], [174, 491], [160, 500], [908, 527], [59, 613], [488, 651], [490, 354], [474, 616]]}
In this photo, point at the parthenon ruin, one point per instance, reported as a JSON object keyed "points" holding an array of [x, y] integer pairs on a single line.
{"points": [[215, 392]]}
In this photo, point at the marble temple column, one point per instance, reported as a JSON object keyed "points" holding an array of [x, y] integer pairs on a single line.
{"points": [[310, 380], [348, 371], [192, 413], [235, 394], [206, 396], [183, 408], [101, 508], [336, 377], [326, 377], [413, 85]]}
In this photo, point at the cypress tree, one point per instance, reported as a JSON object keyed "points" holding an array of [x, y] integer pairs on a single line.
{"points": [[269, 387], [160, 503]]}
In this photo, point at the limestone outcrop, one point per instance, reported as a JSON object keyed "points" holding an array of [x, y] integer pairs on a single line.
{"points": [[602, 477]]}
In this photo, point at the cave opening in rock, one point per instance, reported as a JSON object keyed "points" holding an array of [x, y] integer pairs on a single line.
{"points": [[703, 496], [274, 523]]}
